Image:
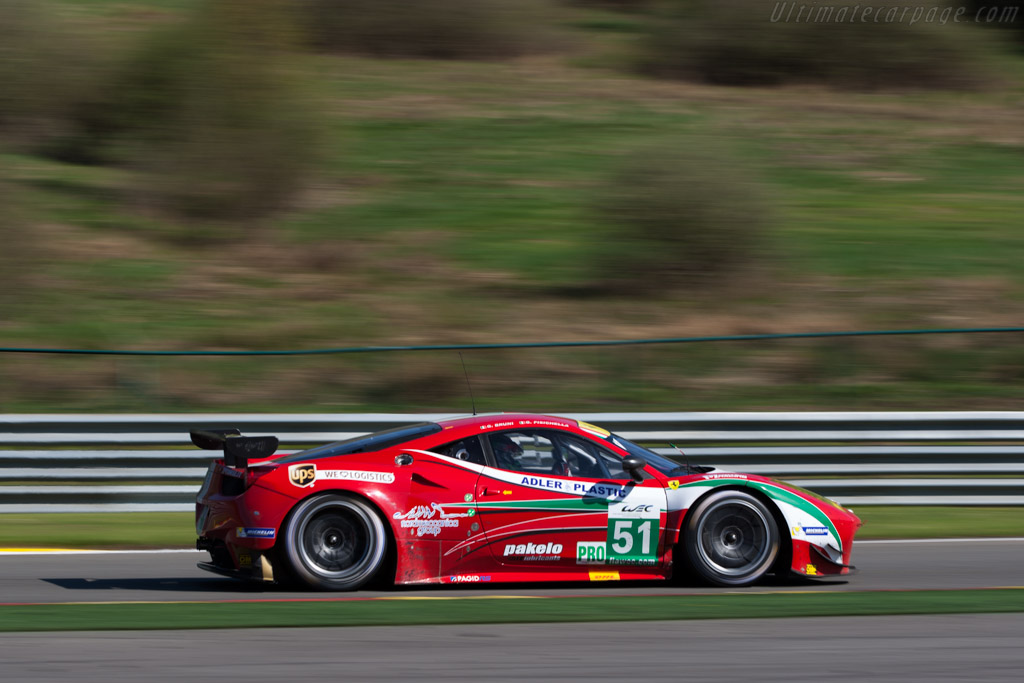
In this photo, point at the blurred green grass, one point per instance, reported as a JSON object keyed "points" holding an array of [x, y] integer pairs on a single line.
{"points": [[176, 529], [886, 521], [99, 530], [455, 204], [488, 611]]}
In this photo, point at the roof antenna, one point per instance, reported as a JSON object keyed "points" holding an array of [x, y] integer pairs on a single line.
{"points": [[686, 458], [468, 385]]}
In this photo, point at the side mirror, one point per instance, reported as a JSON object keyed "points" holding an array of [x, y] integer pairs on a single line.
{"points": [[634, 466]]}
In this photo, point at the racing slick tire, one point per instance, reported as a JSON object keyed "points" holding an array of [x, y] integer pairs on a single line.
{"points": [[731, 538], [334, 542]]}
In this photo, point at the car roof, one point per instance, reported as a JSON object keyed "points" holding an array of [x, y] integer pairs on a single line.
{"points": [[503, 420]]}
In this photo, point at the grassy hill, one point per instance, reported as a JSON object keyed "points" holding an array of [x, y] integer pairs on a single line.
{"points": [[458, 202]]}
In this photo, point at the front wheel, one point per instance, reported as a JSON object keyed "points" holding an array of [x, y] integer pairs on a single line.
{"points": [[334, 542], [731, 538]]}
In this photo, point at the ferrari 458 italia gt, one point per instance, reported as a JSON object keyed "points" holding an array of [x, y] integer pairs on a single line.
{"points": [[501, 498]]}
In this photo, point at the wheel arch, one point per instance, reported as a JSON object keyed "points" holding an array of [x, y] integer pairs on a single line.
{"points": [[784, 558], [386, 574]]}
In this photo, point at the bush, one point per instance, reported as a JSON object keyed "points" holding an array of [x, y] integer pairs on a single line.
{"points": [[209, 111], [44, 66], [21, 30], [739, 42], [239, 139], [618, 5], [678, 215], [1001, 14], [19, 258], [435, 29]]}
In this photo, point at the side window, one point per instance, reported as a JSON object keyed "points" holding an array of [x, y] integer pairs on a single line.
{"points": [[553, 453], [581, 459], [464, 449], [586, 459], [614, 465], [523, 451]]}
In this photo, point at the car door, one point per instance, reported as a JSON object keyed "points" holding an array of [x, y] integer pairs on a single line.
{"points": [[438, 505], [558, 500]]}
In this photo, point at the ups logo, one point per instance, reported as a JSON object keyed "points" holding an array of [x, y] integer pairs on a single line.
{"points": [[302, 475]]}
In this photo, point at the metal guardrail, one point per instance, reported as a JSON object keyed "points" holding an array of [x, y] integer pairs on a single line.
{"points": [[67, 463]]}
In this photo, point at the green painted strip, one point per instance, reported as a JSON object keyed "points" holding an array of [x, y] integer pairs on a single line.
{"points": [[796, 501], [718, 481], [589, 505], [94, 617], [776, 492], [524, 345]]}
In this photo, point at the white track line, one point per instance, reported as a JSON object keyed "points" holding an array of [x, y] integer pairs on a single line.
{"points": [[71, 551]]}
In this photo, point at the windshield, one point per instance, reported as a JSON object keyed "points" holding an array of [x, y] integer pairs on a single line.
{"points": [[658, 462], [377, 441]]}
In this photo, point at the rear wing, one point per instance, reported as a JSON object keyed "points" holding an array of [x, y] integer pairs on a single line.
{"points": [[238, 449]]}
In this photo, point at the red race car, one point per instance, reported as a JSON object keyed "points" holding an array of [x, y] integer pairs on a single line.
{"points": [[498, 498]]}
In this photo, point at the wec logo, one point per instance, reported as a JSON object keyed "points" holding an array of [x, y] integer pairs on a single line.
{"points": [[302, 475]]}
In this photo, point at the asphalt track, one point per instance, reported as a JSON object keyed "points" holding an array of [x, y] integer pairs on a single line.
{"points": [[910, 649], [173, 576]]}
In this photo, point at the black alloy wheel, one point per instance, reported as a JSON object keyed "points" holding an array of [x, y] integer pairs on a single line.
{"points": [[731, 539], [334, 542]]}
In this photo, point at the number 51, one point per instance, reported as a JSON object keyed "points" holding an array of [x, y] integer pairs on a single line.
{"points": [[623, 535]]}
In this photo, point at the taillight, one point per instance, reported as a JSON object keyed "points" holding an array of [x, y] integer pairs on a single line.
{"points": [[254, 473], [235, 481]]}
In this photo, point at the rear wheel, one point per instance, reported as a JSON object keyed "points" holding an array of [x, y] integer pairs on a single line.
{"points": [[334, 542], [731, 538]]}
